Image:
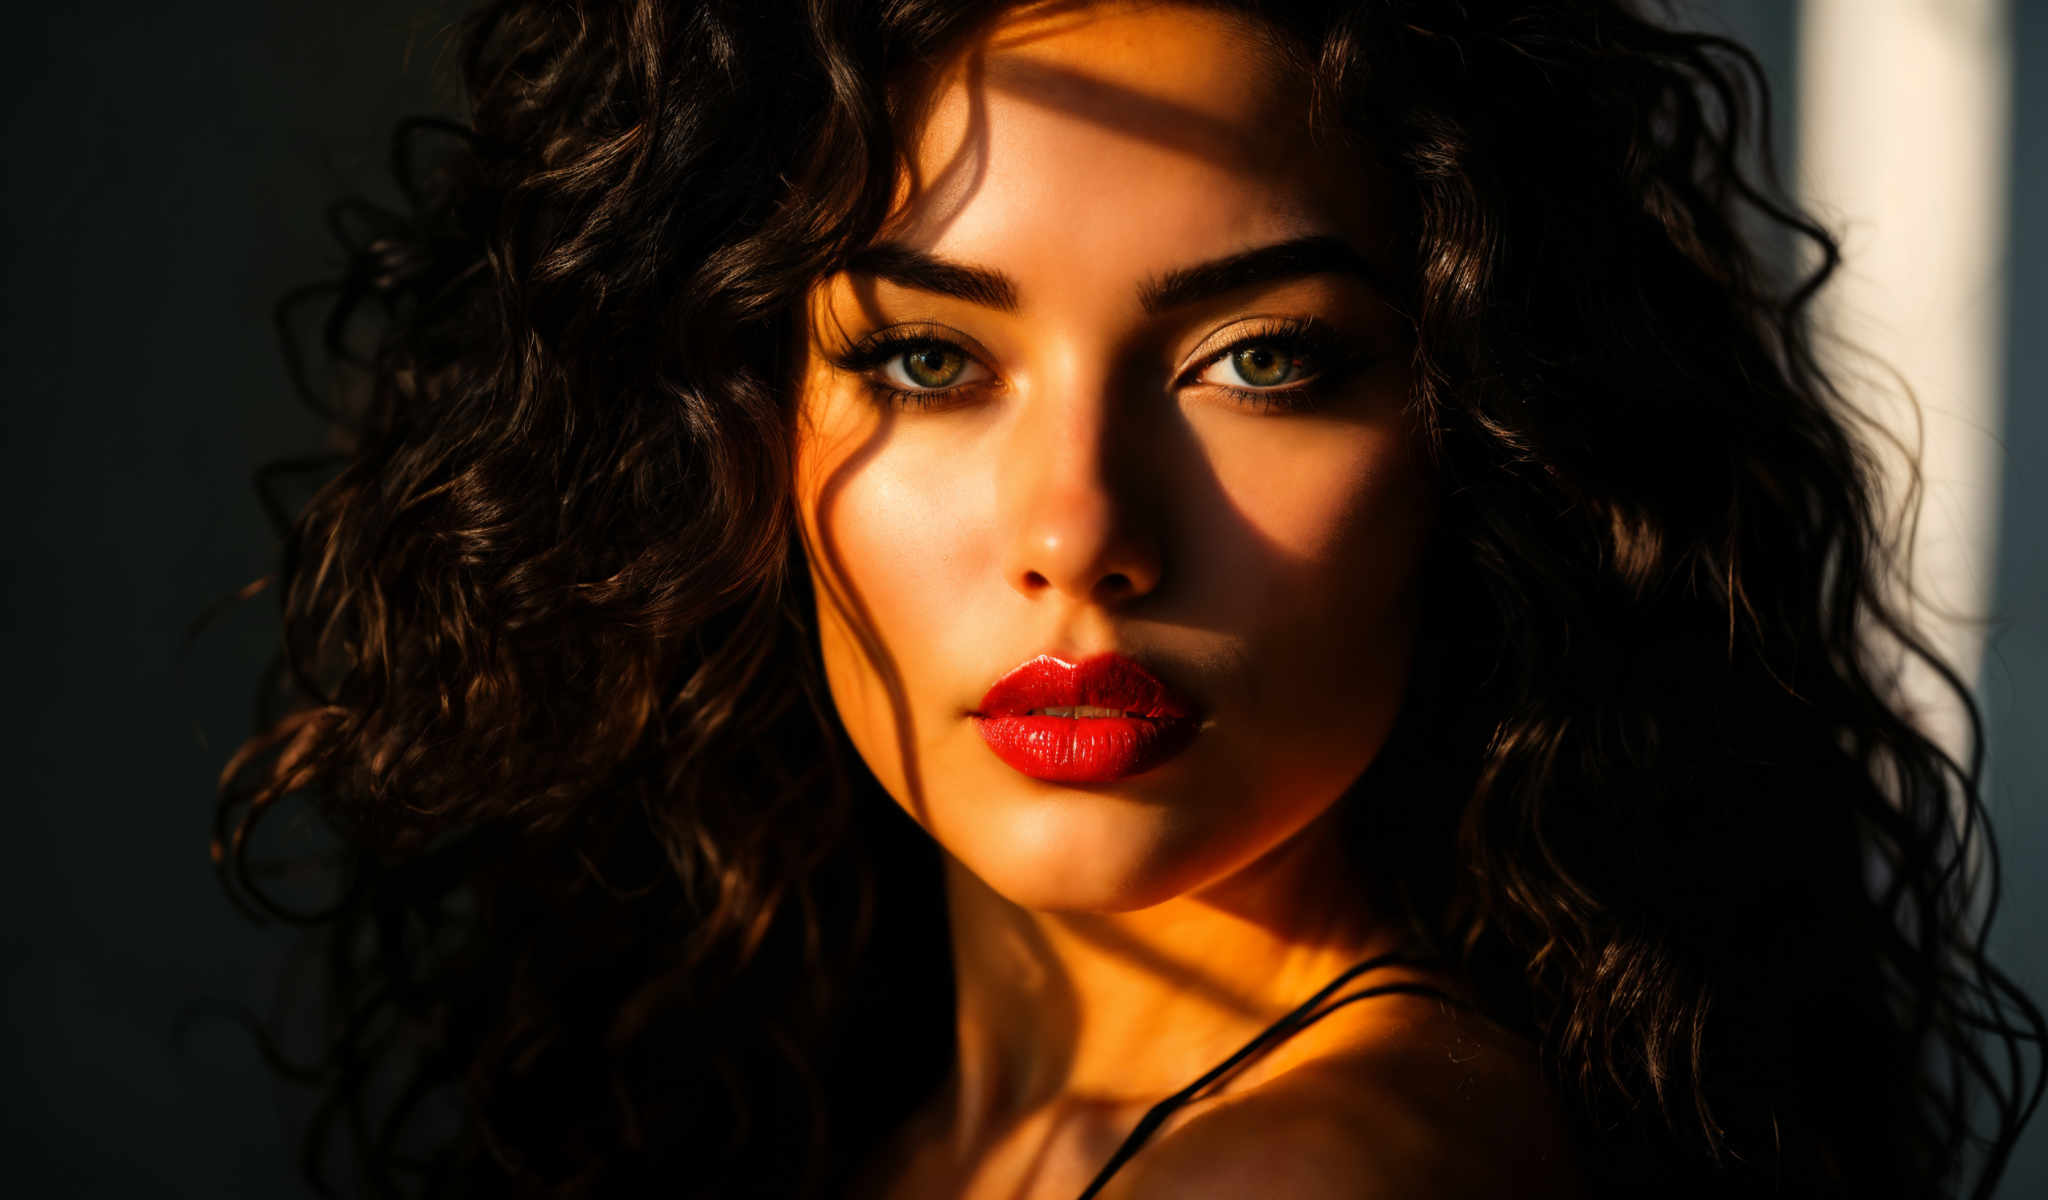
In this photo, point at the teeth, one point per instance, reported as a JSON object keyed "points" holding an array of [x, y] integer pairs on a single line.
{"points": [[1077, 710]]}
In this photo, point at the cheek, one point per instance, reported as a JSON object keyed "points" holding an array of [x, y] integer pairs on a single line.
{"points": [[1333, 514], [887, 534], [1322, 578]]}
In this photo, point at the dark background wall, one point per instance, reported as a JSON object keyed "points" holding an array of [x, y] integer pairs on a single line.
{"points": [[165, 172], [2015, 682]]}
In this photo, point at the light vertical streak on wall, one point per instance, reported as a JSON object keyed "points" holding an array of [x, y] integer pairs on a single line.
{"points": [[1904, 107]]}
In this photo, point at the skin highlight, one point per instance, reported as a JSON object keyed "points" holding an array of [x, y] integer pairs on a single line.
{"points": [[1092, 473]]}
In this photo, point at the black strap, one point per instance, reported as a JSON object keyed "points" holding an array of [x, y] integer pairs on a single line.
{"points": [[1303, 1016]]}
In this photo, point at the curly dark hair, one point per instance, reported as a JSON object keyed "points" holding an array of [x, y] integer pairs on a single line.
{"points": [[618, 909]]}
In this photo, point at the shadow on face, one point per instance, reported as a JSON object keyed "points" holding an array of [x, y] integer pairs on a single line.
{"points": [[1118, 377]]}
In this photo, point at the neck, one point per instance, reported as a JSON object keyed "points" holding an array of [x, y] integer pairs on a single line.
{"points": [[1127, 1008]]}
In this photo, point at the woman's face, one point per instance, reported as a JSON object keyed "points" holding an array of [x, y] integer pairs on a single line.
{"points": [[1114, 400]]}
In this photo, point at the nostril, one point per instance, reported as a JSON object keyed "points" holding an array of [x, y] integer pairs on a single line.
{"points": [[1034, 580], [1114, 584]]}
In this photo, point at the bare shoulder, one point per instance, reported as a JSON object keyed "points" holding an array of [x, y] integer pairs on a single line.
{"points": [[1435, 1104]]}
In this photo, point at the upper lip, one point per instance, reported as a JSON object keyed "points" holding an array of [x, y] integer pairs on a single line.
{"points": [[1101, 681]]}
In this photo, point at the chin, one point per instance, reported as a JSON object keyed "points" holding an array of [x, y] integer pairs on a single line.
{"points": [[1074, 851]]}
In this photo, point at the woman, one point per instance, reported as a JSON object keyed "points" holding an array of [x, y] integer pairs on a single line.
{"points": [[1319, 515]]}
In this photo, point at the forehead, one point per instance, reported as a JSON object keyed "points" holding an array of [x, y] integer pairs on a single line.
{"points": [[1120, 134]]}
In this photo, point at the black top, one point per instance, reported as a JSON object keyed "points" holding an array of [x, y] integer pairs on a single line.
{"points": [[1311, 1010]]}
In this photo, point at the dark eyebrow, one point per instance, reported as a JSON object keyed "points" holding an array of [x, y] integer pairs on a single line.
{"points": [[1295, 258], [929, 273]]}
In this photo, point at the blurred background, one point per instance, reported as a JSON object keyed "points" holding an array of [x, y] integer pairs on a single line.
{"points": [[166, 171]]}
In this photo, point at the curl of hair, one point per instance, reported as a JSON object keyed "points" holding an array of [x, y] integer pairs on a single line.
{"points": [[612, 877]]}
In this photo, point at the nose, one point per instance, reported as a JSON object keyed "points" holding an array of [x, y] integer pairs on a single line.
{"points": [[1073, 497]]}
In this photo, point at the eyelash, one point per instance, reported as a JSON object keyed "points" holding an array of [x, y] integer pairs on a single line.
{"points": [[1335, 358]]}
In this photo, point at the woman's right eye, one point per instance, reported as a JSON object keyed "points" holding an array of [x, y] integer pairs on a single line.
{"points": [[914, 370], [930, 366]]}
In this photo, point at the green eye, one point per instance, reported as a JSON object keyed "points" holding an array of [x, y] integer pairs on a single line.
{"points": [[910, 368], [931, 365], [1283, 364], [1263, 364]]}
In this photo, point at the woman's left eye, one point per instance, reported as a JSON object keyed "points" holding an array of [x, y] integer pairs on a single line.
{"points": [[1259, 365]]}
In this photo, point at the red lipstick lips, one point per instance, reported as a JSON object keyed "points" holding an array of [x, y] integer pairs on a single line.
{"points": [[1097, 721]]}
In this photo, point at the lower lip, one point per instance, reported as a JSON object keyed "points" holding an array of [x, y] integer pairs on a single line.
{"points": [[1085, 749]]}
